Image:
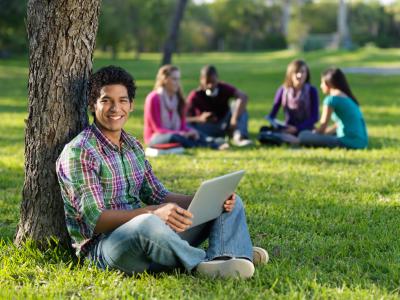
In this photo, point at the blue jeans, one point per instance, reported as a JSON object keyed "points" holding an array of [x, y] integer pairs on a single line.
{"points": [[307, 138], [185, 142], [220, 128], [146, 243]]}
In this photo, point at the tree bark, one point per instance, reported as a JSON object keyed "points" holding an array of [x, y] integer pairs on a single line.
{"points": [[62, 36], [169, 46]]}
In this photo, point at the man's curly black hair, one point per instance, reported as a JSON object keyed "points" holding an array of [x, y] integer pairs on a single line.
{"points": [[107, 76]]}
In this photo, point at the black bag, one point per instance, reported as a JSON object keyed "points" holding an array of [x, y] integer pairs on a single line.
{"points": [[269, 137]]}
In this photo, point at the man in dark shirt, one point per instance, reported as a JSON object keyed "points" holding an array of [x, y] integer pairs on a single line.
{"points": [[209, 110]]}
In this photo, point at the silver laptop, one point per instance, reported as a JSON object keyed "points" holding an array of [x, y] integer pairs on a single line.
{"points": [[208, 202]]}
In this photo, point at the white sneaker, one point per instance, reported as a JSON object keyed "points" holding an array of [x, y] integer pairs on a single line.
{"points": [[260, 256], [218, 140], [235, 268], [240, 141]]}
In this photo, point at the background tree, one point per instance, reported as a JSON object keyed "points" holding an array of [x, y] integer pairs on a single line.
{"points": [[173, 32], [196, 30], [62, 37]]}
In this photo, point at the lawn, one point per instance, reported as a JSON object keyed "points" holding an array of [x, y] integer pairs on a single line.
{"points": [[328, 218]]}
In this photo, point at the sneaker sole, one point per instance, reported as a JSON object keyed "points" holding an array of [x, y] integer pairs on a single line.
{"points": [[242, 143], [233, 268]]}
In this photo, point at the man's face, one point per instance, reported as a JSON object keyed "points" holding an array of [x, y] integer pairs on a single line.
{"points": [[209, 82], [112, 108]]}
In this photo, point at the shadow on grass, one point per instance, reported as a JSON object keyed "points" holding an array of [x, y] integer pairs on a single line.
{"points": [[13, 109]]}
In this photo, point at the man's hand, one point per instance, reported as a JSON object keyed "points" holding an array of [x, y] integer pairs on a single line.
{"points": [[232, 126], [290, 129], [230, 203], [174, 216], [207, 117]]}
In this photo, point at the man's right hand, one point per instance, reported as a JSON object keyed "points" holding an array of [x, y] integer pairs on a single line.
{"points": [[207, 117], [174, 216]]}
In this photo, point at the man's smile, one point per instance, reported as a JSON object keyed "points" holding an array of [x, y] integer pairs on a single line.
{"points": [[115, 118]]}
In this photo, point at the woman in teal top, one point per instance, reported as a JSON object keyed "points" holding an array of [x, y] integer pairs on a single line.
{"points": [[343, 108]]}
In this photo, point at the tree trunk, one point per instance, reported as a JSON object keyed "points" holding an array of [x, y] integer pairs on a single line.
{"points": [[62, 36], [286, 7], [173, 33]]}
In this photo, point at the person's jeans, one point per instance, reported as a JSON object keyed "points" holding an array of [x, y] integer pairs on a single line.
{"points": [[307, 138], [146, 243], [185, 142], [220, 128]]}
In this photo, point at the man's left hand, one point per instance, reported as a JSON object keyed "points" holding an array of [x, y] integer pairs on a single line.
{"points": [[232, 126], [230, 203]]}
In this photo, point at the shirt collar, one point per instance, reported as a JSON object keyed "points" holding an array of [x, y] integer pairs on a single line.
{"points": [[107, 145]]}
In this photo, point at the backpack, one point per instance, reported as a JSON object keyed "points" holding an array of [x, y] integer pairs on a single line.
{"points": [[269, 137]]}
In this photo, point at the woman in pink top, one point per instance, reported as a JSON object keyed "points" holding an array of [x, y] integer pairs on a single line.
{"points": [[164, 117]]}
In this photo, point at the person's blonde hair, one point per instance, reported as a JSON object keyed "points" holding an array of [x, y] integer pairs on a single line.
{"points": [[294, 67], [163, 73]]}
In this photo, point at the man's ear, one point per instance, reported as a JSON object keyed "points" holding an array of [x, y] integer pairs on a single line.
{"points": [[92, 106], [131, 105]]}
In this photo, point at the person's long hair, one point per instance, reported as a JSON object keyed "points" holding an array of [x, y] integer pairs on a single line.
{"points": [[163, 73], [294, 67], [334, 78]]}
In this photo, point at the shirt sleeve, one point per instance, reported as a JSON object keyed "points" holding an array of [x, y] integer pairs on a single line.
{"points": [[155, 117], [314, 114], [81, 187], [152, 191], [230, 90], [330, 101], [277, 103]]}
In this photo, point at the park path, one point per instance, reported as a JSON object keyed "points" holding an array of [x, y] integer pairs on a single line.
{"points": [[372, 71]]}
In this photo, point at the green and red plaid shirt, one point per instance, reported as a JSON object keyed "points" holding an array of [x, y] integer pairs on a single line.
{"points": [[95, 175]]}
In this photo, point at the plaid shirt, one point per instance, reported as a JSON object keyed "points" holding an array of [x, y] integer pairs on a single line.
{"points": [[95, 175]]}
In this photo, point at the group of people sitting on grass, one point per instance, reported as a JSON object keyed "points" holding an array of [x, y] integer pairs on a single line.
{"points": [[206, 116], [200, 121], [301, 106], [104, 175]]}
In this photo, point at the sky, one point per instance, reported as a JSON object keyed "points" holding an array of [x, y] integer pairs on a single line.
{"points": [[384, 2]]}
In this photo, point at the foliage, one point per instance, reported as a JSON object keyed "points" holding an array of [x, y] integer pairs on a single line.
{"points": [[13, 36], [134, 24], [328, 218], [297, 33], [246, 24], [321, 16], [234, 25], [196, 31], [373, 23], [368, 21]]}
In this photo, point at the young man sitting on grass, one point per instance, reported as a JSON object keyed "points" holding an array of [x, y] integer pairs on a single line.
{"points": [[104, 176], [209, 110]]}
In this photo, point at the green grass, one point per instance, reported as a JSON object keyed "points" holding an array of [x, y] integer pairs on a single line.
{"points": [[328, 218]]}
